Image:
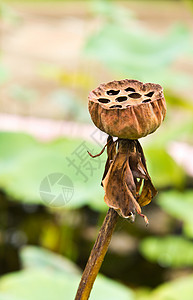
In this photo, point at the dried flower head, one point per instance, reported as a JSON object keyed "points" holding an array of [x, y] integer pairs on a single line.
{"points": [[128, 109]]}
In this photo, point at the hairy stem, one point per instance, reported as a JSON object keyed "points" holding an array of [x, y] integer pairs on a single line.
{"points": [[97, 255]]}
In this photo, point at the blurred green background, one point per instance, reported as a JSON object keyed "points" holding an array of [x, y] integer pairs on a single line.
{"points": [[52, 54]]}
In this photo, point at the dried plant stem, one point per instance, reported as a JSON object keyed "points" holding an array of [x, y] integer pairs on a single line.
{"points": [[97, 255]]}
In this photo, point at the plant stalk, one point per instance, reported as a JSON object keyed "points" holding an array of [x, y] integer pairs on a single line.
{"points": [[97, 255]]}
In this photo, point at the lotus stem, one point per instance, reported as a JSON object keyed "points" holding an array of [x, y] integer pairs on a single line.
{"points": [[97, 255]]}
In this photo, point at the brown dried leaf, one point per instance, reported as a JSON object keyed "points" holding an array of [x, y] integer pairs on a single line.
{"points": [[119, 187], [111, 152]]}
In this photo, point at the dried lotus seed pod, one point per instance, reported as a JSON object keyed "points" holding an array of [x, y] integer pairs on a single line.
{"points": [[128, 109]]}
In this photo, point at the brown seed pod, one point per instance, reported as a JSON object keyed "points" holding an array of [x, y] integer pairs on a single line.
{"points": [[128, 109]]}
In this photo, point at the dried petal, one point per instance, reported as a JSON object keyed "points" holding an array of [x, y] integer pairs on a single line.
{"points": [[111, 152], [123, 179], [117, 194]]}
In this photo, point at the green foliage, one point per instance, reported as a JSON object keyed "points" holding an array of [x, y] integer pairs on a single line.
{"points": [[180, 206], [129, 50], [164, 171], [25, 162], [178, 102], [35, 284], [170, 251], [41, 281], [46, 275], [110, 11], [178, 289], [172, 131], [173, 251], [38, 258]]}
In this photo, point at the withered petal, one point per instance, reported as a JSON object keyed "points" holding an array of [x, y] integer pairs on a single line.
{"points": [[137, 167], [123, 179], [119, 187], [148, 192], [129, 179], [111, 152]]}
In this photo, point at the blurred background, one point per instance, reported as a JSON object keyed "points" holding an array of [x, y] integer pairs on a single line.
{"points": [[52, 53]]}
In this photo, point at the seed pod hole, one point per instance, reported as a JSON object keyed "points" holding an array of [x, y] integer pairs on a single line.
{"points": [[121, 99], [150, 94], [103, 100], [112, 92], [129, 89], [116, 106], [146, 100], [134, 95]]}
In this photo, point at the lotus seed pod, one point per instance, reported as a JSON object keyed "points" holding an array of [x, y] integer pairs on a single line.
{"points": [[127, 109]]}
